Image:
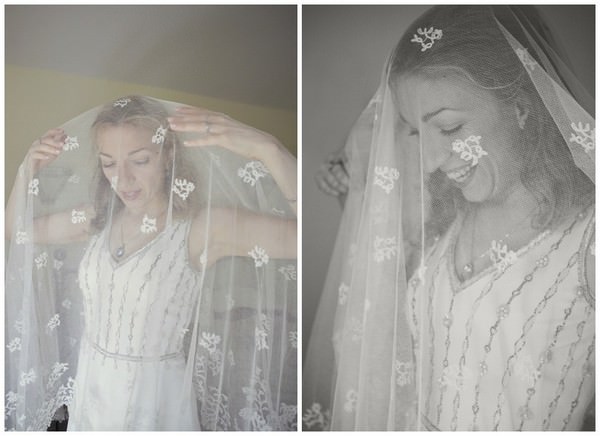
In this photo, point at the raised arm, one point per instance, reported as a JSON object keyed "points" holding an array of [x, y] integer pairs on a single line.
{"points": [[219, 129], [56, 228], [237, 232]]}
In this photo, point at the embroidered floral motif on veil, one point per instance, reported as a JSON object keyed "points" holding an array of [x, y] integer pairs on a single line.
{"points": [[316, 419], [385, 248], [351, 401], [259, 255], [525, 58], [122, 102], [385, 177], [404, 373], [501, 256], [159, 135], [584, 135], [183, 188], [469, 150], [34, 187], [252, 171], [148, 225], [41, 261], [427, 38], [78, 216], [71, 143]]}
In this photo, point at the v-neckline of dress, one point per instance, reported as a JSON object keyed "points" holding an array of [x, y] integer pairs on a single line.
{"points": [[456, 283], [115, 264]]}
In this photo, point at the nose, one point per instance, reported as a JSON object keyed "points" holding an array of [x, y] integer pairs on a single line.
{"points": [[435, 154], [125, 174]]}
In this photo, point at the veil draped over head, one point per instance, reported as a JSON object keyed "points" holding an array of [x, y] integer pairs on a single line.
{"points": [[144, 327], [476, 112]]}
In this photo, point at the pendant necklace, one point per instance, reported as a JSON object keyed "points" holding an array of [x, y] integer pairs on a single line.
{"points": [[120, 251], [121, 248]]}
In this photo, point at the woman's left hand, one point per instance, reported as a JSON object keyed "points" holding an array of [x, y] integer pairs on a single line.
{"points": [[215, 128]]}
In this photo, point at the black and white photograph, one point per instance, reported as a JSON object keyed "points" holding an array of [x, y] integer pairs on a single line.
{"points": [[451, 149]]}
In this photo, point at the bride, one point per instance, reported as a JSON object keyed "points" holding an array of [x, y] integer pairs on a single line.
{"points": [[462, 279], [180, 314]]}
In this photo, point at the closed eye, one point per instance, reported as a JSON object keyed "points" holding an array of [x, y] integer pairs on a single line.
{"points": [[449, 132]]}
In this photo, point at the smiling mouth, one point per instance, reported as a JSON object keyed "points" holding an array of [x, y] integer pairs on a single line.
{"points": [[130, 195], [461, 174]]}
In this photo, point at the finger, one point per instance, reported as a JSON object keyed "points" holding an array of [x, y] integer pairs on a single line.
{"points": [[48, 149], [340, 173], [323, 186], [205, 140], [55, 140], [199, 122], [38, 155], [333, 182]]}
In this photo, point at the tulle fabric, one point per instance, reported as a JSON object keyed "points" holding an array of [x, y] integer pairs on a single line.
{"points": [[148, 341], [388, 349]]}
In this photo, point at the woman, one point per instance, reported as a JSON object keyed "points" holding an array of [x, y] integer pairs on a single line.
{"points": [[187, 313], [465, 292]]}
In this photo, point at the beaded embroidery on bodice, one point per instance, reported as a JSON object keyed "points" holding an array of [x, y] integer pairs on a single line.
{"points": [[140, 306], [510, 349]]}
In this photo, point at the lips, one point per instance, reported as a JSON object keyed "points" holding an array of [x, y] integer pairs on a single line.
{"points": [[130, 195], [462, 174]]}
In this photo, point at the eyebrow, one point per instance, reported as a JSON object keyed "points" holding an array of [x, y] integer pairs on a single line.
{"points": [[425, 118], [129, 154], [430, 115]]}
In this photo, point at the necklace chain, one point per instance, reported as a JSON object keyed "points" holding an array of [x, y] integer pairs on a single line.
{"points": [[120, 251]]}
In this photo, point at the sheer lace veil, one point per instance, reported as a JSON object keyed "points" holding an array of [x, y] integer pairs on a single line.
{"points": [[229, 322], [409, 168]]}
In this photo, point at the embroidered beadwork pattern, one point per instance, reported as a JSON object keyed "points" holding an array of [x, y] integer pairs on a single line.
{"points": [[546, 356], [564, 371], [494, 328], [521, 341]]}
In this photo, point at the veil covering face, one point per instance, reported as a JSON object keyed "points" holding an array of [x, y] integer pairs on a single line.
{"points": [[124, 327], [457, 296]]}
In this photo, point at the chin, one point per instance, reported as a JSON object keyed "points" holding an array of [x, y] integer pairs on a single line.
{"points": [[479, 190]]}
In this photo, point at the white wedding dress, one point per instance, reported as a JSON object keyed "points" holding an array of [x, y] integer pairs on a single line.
{"points": [[137, 313], [511, 348]]}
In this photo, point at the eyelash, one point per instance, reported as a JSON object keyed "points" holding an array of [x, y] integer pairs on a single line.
{"points": [[415, 132], [451, 131], [137, 162]]}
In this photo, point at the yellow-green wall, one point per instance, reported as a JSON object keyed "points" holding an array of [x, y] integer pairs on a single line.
{"points": [[37, 100]]}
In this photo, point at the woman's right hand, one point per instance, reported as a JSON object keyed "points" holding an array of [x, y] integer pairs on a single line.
{"points": [[332, 176], [45, 149]]}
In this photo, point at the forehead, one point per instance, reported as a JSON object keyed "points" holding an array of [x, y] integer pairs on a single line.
{"points": [[419, 95], [124, 137]]}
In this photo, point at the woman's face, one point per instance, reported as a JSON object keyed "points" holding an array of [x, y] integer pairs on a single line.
{"points": [[133, 165], [440, 112]]}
